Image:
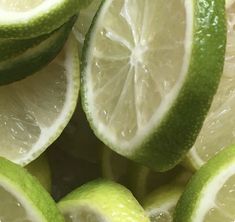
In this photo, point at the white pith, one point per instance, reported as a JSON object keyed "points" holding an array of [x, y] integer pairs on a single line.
{"points": [[33, 214], [207, 196], [48, 133], [128, 146], [218, 129], [9, 17]]}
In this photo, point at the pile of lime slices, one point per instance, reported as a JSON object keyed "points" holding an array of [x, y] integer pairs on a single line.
{"points": [[117, 111]]}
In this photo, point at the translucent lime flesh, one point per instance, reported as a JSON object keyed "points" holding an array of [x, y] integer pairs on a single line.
{"points": [[137, 59], [218, 130], [19, 5], [224, 207], [23, 109], [11, 209]]}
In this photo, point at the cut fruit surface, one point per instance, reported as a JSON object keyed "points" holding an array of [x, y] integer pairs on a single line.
{"points": [[23, 198], [34, 111], [218, 130], [161, 203], [101, 201], [31, 18], [210, 196], [142, 71]]}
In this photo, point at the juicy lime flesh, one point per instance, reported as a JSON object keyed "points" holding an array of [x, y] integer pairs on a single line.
{"points": [[84, 21], [224, 207], [83, 215], [218, 130], [19, 5], [136, 62], [30, 106], [162, 216], [11, 209]]}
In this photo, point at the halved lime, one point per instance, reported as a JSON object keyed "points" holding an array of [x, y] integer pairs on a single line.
{"points": [[100, 201], [210, 196], [161, 203], [218, 130], [23, 198], [34, 111], [149, 78], [31, 18], [21, 59]]}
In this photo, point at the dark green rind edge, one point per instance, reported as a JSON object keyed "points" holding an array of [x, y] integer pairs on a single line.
{"points": [[34, 59], [190, 198], [32, 190], [13, 47], [175, 135], [43, 23]]}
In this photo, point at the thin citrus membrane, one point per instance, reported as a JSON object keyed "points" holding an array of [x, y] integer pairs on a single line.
{"points": [[218, 130], [35, 110], [135, 74]]}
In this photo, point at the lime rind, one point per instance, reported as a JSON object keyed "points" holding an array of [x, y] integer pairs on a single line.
{"points": [[35, 58], [43, 19], [201, 191], [166, 143], [36, 201], [111, 201]]}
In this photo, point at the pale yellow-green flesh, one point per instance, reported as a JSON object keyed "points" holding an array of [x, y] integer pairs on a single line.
{"points": [[223, 209], [163, 215], [84, 21], [29, 107], [19, 5], [137, 60], [218, 130], [11, 210]]}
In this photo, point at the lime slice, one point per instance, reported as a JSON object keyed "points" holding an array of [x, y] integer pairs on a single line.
{"points": [[24, 63], [210, 196], [161, 203], [41, 170], [218, 129], [148, 78], [34, 111], [31, 18], [101, 201], [23, 198], [84, 21]]}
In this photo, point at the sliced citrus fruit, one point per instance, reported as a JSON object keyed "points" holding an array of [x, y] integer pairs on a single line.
{"points": [[84, 21], [31, 18], [23, 198], [149, 78], [25, 61], [218, 130], [101, 200], [210, 196], [161, 203], [34, 111]]}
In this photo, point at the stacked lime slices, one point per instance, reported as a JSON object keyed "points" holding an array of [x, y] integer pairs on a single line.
{"points": [[149, 77]]}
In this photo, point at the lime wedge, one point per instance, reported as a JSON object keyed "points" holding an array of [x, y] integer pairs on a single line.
{"points": [[210, 196], [149, 78], [101, 201], [30, 18], [21, 58], [161, 203], [34, 111], [23, 198], [218, 130]]}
